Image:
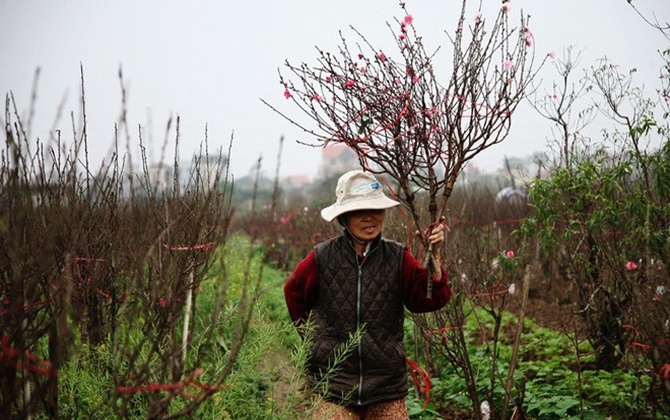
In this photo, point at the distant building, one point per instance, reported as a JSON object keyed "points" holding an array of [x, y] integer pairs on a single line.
{"points": [[207, 170], [203, 170], [524, 170], [161, 176], [337, 158], [296, 181], [294, 191]]}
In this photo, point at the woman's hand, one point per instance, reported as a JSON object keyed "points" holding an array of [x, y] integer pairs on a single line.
{"points": [[437, 236], [436, 239]]}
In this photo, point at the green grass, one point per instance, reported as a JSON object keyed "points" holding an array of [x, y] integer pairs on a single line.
{"points": [[267, 378], [86, 384]]}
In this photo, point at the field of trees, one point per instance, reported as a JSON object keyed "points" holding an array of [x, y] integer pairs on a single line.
{"points": [[123, 299]]}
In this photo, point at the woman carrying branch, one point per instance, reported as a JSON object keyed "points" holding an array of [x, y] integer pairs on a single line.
{"points": [[353, 289]]}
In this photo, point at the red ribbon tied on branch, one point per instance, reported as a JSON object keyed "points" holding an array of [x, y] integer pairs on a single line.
{"points": [[12, 356], [421, 379], [197, 247], [175, 387]]}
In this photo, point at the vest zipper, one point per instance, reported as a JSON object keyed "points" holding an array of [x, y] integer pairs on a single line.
{"points": [[358, 326], [359, 298]]}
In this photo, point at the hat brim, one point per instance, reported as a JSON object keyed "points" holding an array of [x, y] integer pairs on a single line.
{"points": [[380, 203]]}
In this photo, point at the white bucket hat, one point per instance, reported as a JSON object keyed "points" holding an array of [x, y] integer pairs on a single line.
{"points": [[357, 190]]}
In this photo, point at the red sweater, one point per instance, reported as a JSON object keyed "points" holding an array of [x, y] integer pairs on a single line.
{"points": [[301, 286]]}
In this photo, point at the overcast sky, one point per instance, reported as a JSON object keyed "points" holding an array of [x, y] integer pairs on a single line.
{"points": [[210, 63]]}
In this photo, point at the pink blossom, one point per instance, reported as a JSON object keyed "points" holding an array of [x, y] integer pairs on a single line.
{"points": [[349, 83], [630, 266], [287, 94], [284, 220], [397, 81], [360, 56], [552, 54], [363, 69], [507, 64], [478, 18], [329, 79], [401, 37], [408, 20], [529, 41], [509, 254], [505, 8], [381, 56], [317, 98], [528, 36]]}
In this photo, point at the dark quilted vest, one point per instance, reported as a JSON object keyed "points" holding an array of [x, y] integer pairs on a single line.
{"points": [[348, 298]]}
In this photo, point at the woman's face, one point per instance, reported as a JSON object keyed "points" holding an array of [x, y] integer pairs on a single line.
{"points": [[365, 225]]}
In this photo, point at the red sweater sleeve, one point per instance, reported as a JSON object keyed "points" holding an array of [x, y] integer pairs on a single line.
{"points": [[299, 289], [415, 283], [301, 285]]}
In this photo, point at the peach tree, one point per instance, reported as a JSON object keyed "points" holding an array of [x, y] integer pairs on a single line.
{"points": [[409, 123]]}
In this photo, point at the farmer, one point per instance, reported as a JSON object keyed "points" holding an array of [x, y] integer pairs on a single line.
{"points": [[358, 281]]}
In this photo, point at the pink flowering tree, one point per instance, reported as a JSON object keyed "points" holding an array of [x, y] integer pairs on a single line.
{"points": [[416, 127], [602, 216], [403, 119]]}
